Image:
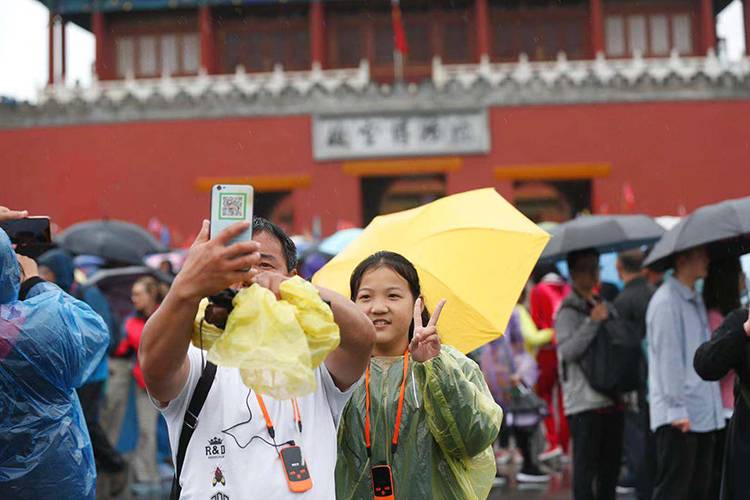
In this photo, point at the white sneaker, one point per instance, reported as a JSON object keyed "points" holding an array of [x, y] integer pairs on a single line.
{"points": [[532, 476]]}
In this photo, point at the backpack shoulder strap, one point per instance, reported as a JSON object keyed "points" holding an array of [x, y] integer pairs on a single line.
{"points": [[572, 307], [190, 422]]}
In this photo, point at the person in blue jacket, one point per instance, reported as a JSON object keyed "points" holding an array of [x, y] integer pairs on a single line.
{"points": [[56, 266], [50, 343]]}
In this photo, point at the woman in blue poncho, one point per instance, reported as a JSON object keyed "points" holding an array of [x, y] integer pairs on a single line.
{"points": [[49, 344]]}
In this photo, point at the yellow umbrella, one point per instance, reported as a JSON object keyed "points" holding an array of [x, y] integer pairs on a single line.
{"points": [[474, 249]]}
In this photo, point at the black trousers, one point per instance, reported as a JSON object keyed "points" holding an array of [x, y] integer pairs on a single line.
{"points": [[523, 441], [640, 450], [634, 444], [106, 457], [597, 448], [684, 464]]}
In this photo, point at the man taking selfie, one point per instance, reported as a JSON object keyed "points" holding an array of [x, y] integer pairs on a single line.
{"points": [[237, 437]]}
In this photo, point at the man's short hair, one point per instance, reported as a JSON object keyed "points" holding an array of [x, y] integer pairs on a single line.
{"points": [[573, 257], [631, 260], [261, 225]]}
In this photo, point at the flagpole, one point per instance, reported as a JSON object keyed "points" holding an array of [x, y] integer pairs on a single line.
{"points": [[399, 42], [398, 66]]}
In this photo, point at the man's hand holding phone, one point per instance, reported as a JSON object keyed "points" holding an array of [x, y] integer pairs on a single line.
{"points": [[8, 214], [212, 265]]}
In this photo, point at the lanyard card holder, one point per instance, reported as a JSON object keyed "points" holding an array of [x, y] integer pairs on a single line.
{"points": [[382, 482], [295, 469]]}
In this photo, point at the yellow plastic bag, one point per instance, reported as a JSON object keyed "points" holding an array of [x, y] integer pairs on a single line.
{"points": [[276, 344], [314, 316]]}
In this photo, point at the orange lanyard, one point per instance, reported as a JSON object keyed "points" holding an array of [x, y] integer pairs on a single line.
{"points": [[267, 417], [399, 411]]}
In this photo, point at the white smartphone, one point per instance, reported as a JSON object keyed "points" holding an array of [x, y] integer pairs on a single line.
{"points": [[231, 203]]}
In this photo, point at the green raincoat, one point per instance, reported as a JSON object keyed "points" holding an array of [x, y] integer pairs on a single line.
{"points": [[445, 446]]}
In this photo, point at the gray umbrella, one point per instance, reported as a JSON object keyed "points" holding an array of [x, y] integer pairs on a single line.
{"points": [[724, 227], [111, 239], [605, 233]]}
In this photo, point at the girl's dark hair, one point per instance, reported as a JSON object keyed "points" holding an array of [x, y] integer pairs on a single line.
{"points": [[721, 290], [398, 264]]}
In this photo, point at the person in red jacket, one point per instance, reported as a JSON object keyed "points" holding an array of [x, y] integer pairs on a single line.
{"points": [[146, 298], [545, 299]]}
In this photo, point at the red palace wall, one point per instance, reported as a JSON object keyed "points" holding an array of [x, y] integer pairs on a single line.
{"points": [[673, 154]]}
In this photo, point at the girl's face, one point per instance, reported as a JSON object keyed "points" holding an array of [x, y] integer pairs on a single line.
{"points": [[142, 301], [385, 298]]}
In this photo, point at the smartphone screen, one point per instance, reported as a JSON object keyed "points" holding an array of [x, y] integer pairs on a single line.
{"points": [[231, 203], [31, 235], [292, 456]]}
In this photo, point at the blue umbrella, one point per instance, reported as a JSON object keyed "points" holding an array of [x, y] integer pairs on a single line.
{"points": [[334, 244], [302, 244]]}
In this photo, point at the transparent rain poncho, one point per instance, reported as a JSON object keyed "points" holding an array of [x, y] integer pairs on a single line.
{"points": [[49, 344], [449, 423], [276, 344]]}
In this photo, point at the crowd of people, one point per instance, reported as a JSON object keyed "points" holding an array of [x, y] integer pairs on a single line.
{"points": [[396, 414], [667, 438]]}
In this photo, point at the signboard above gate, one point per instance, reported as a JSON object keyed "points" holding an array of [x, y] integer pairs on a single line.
{"points": [[341, 137]]}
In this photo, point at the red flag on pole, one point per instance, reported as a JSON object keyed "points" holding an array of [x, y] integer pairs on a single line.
{"points": [[628, 195], [399, 35]]}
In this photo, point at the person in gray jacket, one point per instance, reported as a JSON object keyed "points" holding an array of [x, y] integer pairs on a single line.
{"points": [[596, 421]]}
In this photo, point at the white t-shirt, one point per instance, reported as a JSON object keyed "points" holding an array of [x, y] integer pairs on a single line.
{"points": [[222, 464]]}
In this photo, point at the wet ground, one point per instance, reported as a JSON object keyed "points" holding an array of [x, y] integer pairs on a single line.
{"points": [[558, 488]]}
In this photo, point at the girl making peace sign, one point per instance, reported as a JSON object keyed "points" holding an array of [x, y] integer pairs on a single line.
{"points": [[422, 423]]}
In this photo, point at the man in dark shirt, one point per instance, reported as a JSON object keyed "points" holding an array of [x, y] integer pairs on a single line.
{"points": [[631, 304], [729, 349]]}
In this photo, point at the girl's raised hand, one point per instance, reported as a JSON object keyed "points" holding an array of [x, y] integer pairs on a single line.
{"points": [[425, 344]]}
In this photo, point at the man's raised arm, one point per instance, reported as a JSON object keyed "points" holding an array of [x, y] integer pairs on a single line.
{"points": [[210, 267], [348, 362]]}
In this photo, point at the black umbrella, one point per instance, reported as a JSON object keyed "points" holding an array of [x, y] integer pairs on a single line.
{"points": [[724, 227], [605, 233], [116, 284], [113, 240]]}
